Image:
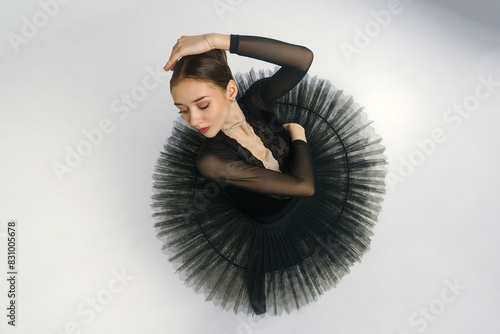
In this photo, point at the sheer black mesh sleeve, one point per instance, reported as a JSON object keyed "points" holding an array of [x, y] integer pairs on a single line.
{"points": [[223, 167], [294, 60]]}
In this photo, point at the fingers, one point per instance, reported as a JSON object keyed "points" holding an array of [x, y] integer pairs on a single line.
{"points": [[171, 62], [187, 45], [175, 55], [295, 129], [295, 125]]}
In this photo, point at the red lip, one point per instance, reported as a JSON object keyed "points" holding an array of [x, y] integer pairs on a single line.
{"points": [[204, 130]]}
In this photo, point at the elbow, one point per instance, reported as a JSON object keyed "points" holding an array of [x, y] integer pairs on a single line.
{"points": [[308, 57], [309, 190]]}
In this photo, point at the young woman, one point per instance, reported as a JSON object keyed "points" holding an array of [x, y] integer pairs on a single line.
{"points": [[256, 212]]}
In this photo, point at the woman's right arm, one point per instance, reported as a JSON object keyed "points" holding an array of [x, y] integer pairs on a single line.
{"points": [[192, 45], [294, 60]]}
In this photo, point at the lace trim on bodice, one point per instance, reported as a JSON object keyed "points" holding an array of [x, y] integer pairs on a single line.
{"points": [[271, 140]]}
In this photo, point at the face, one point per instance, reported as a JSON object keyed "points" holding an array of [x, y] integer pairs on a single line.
{"points": [[202, 105]]}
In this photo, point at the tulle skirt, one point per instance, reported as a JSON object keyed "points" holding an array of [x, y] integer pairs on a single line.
{"points": [[238, 262]]}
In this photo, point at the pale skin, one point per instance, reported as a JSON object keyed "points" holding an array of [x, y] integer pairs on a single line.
{"points": [[203, 104]]}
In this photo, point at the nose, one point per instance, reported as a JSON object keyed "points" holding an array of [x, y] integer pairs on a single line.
{"points": [[196, 118]]}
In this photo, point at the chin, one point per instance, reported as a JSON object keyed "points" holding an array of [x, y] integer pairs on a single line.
{"points": [[212, 132], [208, 135]]}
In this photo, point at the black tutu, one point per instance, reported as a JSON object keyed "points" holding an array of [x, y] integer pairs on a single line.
{"points": [[305, 252]]}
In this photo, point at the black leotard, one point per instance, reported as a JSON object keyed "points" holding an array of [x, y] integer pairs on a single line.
{"points": [[243, 178]]}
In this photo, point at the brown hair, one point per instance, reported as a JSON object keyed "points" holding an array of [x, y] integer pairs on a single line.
{"points": [[208, 66]]}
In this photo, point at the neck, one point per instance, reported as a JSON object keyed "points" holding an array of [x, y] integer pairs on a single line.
{"points": [[234, 116]]}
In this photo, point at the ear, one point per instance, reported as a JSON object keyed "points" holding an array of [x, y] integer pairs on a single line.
{"points": [[231, 90]]}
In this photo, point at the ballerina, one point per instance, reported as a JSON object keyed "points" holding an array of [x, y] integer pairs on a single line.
{"points": [[253, 211]]}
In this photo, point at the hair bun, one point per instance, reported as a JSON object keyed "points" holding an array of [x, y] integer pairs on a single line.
{"points": [[211, 65], [216, 54]]}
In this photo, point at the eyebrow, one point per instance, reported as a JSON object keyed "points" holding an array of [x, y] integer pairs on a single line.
{"points": [[179, 104]]}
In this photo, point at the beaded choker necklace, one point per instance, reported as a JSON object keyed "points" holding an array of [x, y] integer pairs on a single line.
{"points": [[234, 126]]}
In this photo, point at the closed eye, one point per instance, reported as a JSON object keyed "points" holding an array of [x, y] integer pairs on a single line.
{"points": [[205, 107]]}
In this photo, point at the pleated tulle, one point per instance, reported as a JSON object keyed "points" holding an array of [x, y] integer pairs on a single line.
{"points": [[224, 253]]}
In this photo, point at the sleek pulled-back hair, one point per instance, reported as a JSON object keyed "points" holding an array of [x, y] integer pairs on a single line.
{"points": [[209, 66]]}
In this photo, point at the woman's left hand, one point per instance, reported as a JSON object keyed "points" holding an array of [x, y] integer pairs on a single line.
{"points": [[187, 45], [296, 131]]}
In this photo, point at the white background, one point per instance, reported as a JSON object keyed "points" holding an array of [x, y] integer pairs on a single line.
{"points": [[80, 230]]}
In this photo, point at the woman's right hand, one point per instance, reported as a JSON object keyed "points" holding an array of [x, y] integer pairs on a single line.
{"points": [[296, 131], [187, 45]]}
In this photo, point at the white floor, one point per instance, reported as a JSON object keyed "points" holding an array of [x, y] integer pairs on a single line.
{"points": [[80, 80]]}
